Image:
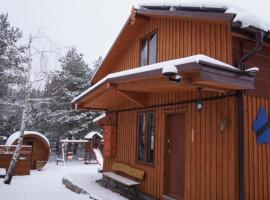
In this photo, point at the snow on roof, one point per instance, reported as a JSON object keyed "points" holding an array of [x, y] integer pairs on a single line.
{"points": [[253, 69], [245, 17], [12, 138], [91, 134], [73, 141], [3, 137], [156, 66], [99, 117]]}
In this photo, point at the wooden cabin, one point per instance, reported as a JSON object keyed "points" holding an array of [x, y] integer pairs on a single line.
{"points": [[185, 104], [40, 147]]}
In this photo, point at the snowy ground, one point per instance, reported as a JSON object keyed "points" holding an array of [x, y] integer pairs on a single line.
{"points": [[95, 190], [47, 184]]}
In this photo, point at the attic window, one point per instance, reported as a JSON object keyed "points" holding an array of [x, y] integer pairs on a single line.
{"points": [[149, 49]]}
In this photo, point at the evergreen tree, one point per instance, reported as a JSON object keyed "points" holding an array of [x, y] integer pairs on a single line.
{"points": [[12, 69], [57, 116]]}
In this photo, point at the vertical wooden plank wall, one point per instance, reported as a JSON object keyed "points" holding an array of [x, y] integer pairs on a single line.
{"points": [[260, 60], [211, 171], [211, 160], [257, 156], [177, 39]]}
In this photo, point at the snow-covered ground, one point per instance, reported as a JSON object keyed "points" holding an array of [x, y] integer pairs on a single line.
{"points": [[96, 191], [47, 184]]}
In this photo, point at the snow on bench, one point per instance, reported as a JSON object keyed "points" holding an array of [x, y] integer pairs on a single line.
{"points": [[120, 179], [2, 171]]}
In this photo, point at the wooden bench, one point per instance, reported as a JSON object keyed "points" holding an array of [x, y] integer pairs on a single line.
{"points": [[127, 170]]}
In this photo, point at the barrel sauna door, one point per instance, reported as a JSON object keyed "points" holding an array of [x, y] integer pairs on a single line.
{"points": [[30, 143], [175, 156]]}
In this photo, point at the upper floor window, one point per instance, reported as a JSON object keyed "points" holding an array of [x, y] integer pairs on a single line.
{"points": [[146, 137], [149, 49]]}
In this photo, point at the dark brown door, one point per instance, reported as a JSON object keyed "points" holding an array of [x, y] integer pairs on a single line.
{"points": [[175, 156], [30, 143]]}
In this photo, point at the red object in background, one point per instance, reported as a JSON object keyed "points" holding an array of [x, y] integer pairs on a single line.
{"points": [[69, 155]]}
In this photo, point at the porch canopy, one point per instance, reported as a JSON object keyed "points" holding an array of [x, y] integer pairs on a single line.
{"points": [[198, 71]]}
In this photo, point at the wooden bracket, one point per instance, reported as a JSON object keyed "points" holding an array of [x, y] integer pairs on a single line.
{"points": [[139, 98]]}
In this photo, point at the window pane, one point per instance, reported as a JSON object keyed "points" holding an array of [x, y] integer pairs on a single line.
{"points": [[150, 137], [144, 48], [153, 49], [141, 135]]}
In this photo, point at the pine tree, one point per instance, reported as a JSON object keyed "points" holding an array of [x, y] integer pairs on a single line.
{"points": [[58, 116], [12, 75]]}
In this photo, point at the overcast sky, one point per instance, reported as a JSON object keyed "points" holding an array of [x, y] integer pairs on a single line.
{"points": [[89, 25]]}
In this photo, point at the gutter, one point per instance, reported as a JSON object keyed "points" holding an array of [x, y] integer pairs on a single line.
{"points": [[241, 151]]}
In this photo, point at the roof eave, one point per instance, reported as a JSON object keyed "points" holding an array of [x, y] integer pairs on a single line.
{"points": [[158, 73], [206, 15]]}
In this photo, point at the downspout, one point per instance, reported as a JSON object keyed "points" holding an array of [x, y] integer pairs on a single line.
{"points": [[259, 42]]}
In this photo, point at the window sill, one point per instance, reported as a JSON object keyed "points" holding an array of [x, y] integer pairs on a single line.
{"points": [[145, 163]]}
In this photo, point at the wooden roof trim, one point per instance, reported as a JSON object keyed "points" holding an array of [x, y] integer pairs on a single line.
{"points": [[214, 16], [132, 21], [113, 45]]}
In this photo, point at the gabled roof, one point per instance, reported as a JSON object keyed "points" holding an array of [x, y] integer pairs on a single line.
{"points": [[240, 20]]}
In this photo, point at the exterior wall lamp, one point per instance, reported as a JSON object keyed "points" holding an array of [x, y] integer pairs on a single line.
{"points": [[199, 101]]}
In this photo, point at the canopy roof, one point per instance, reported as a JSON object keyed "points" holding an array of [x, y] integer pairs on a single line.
{"points": [[132, 85], [73, 141]]}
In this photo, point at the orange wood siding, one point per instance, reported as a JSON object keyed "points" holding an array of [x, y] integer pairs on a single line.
{"points": [[260, 60], [211, 158], [109, 141], [177, 38], [257, 156]]}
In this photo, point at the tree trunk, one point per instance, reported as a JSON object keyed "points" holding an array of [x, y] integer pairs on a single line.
{"points": [[16, 153]]}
